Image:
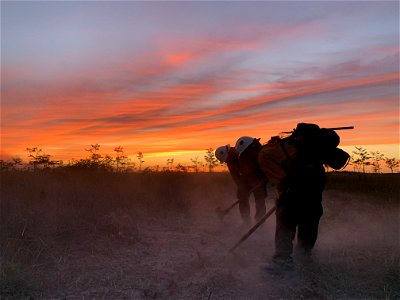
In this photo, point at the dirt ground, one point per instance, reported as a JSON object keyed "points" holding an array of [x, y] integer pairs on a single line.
{"points": [[185, 256]]}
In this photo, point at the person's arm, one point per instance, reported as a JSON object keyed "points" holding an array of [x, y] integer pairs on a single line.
{"points": [[235, 173]]}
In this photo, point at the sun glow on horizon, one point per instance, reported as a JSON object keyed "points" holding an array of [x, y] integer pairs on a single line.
{"points": [[173, 153]]}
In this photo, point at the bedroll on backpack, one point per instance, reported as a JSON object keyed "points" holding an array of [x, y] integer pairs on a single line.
{"points": [[333, 156], [337, 159]]}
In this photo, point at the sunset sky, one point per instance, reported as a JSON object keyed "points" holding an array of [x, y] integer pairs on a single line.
{"points": [[172, 79]]}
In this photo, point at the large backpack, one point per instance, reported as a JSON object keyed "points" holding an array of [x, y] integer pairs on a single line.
{"points": [[321, 144]]}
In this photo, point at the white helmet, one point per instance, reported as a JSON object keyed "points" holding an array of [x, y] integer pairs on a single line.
{"points": [[222, 153], [242, 144]]}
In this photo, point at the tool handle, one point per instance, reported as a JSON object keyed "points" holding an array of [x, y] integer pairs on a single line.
{"points": [[252, 229], [230, 207], [331, 128], [342, 128]]}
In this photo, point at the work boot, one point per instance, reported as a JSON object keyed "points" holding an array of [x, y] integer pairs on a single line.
{"points": [[304, 256], [279, 265]]}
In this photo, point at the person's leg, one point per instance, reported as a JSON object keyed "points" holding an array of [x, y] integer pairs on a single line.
{"points": [[285, 230], [308, 225], [244, 209], [307, 234], [244, 206], [284, 234]]}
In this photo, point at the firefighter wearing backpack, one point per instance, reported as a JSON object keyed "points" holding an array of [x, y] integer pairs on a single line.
{"points": [[295, 165], [248, 179]]}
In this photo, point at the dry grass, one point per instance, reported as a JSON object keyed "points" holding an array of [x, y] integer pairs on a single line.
{"points": [[77, 234]]}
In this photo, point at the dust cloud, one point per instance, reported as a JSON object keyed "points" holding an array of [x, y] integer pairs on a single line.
{"points": [[158, 236]]}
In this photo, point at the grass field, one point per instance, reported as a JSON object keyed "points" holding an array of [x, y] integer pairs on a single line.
{"points": [[81, 234]]}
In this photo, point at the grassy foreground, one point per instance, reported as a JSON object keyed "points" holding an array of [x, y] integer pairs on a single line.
{"points": [[116, 229]]}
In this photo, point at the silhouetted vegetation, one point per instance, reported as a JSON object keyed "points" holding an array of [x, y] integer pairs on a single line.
{"points": [[211, 160], [361, 159], [196, 164], [140, 158], [122, 162], [392, 163], [39, 159]]}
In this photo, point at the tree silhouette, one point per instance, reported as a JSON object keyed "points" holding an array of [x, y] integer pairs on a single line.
{"points": [[140, 158], [362, 157], [392, 163], [95, 156], [170, 163], [181, 168], [376, 157], [121, 160], [210, 159], [196, 164], [94, 161], [40, 159]]}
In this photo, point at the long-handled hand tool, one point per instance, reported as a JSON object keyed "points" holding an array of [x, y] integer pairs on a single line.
{"points": [[223, 212], [252, 229]]}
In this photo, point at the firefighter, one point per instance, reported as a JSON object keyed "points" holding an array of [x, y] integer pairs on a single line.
{"points": [[295, 167], [247, 180]]}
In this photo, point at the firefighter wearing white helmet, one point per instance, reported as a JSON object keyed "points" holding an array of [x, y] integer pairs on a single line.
{"points": [[243, 143], [247, 181], [227, 154], [222, 153]]}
